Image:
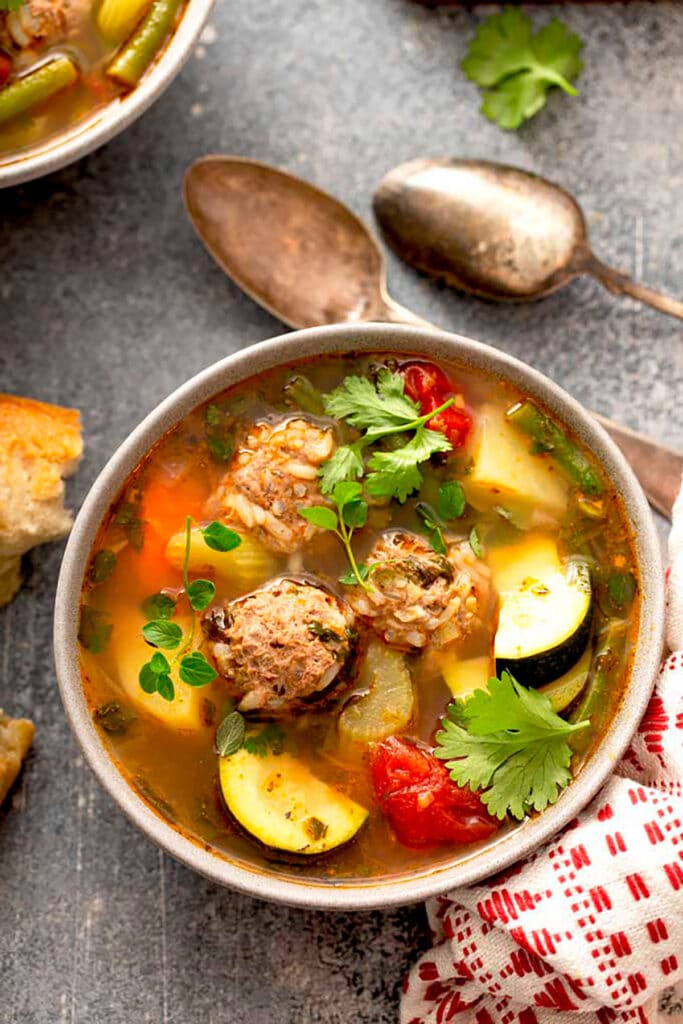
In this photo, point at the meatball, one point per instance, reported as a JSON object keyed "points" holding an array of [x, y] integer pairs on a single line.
{"points": [[282, 646], [419, 596], [272, 476], [39, 23]]}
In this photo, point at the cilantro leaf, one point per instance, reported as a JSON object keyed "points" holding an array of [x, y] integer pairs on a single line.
{"points": [[345, 464], [507, 741], [395, 474], [517, 67], [10, 5], [367, 407]]}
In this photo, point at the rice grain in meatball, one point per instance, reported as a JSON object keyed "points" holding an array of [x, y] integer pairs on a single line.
{"points": [[419, 596], [273, 475], [282, 646]]}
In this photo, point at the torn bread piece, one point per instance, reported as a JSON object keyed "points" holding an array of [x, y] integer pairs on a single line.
{"points": [[16, 736], [40, 445]]}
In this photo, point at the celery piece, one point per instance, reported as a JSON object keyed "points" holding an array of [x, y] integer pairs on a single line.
{"points": [[133, 60], [24, 93], [549, 438], [116, 19]]}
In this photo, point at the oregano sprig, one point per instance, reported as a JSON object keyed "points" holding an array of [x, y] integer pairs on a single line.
{"points": [[351, 513], [163, 634]]}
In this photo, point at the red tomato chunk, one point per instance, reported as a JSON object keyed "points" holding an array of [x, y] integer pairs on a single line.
{"points": [[429, 386], [423, 805]]}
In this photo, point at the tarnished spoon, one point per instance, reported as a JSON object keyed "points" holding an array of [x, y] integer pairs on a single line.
{"points": [[495, 231], [294, 249], [308, 260]]}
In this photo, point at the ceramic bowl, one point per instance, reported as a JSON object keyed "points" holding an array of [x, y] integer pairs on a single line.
{"points": [[269, 883], [87, 135]]}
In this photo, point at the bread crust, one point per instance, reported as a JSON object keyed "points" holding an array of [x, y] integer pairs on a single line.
{"points": [[40, 445]]}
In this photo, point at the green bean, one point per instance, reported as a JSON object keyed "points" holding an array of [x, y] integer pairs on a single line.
{"points": [[25, 93], [549, 438], [133, 60], [605, 660], [303, 395]]}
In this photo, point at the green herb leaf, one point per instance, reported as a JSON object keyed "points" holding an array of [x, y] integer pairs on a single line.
{"points": [[507, 741], [103, 565], [162, 633], [517, 68], [321, 516], [165, 687], [451, 502], [10, 5], [230, 734], [621, 587], [350, 578], [159, 664], [114, 718], [219, 538], [270, 736], [94, 629], [395, 474], [367, 407], [324, 634], [158, 606], [195, 670], [200, 594], [128, 518], [147, 678], [475, 542], [345, 464], [433, 526], [218, 426]]}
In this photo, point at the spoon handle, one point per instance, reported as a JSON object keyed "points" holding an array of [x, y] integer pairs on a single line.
{"points": [[657, 467], [620, 284], [393, 313]]}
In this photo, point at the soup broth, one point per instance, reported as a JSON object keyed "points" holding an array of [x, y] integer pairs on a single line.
{"points": [[331, 664], [62, 61]]}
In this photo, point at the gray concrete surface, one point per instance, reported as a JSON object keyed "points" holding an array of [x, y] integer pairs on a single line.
{"points": [[107, 302]]}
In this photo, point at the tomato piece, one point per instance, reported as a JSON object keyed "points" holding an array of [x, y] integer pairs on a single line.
{"points": [[428, 385], [423, 805], [5, 67]]}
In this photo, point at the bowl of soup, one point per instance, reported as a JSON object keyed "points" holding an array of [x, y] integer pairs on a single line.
{"points": [[359, 614], [74, 73]]}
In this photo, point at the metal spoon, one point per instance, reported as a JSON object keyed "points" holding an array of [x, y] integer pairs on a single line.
{"points": [[496, 231], [308, 260]]}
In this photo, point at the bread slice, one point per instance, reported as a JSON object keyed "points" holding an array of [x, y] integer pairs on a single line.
{"points": [[40, 444], [16, 736]]}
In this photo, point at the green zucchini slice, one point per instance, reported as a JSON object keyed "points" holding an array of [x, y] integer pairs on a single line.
{"points": [[545, 610], [564, 691], [279, 801]]}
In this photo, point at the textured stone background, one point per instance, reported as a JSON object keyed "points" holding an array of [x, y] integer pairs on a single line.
{"points": [[107, 302]]}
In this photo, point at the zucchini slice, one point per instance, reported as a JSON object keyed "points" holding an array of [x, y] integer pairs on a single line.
{"points": [[566, 689], [464, 677], [279, 801], [545, 610]]}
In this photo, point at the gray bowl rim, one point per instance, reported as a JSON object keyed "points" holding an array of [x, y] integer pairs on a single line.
{"points": [[53, 154], [368, 894]]}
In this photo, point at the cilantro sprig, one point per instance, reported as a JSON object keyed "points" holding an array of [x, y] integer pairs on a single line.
{"points": [[509, 743], [516, 67], [350, 513], [163, 634], [382, 411]]}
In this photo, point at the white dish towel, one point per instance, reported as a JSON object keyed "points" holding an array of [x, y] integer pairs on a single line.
{"points": [[589, 929]]}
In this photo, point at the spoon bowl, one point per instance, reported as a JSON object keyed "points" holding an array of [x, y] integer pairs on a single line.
{"points": [[297, 251]]}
